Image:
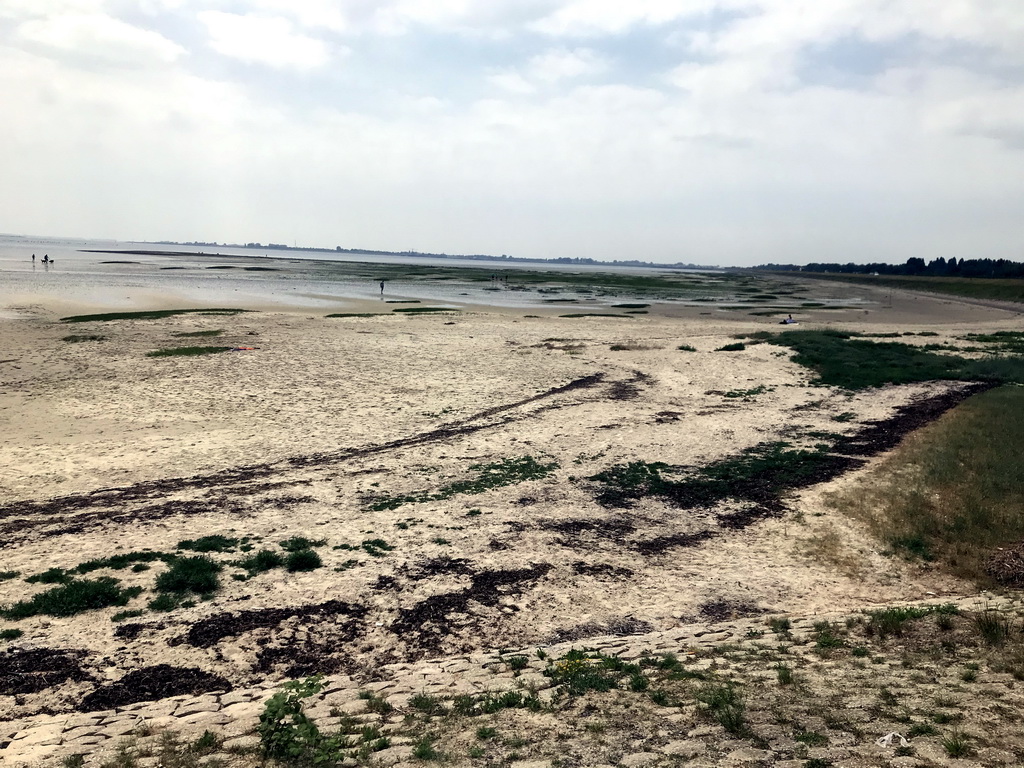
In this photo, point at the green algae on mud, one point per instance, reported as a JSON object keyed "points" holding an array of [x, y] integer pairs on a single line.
{"points": [[154, 314]]}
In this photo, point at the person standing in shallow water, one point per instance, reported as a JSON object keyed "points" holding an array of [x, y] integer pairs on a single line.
{"points": [[381, 287]]}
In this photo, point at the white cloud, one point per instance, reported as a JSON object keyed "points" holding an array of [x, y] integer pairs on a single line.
{"points": [[100, 37], [259, 40], [604, 17], [562, 64]]}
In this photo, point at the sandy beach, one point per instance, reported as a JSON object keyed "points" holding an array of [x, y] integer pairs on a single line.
{"points": [[105, 450]]}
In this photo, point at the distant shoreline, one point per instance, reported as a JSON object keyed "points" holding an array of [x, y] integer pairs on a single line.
{"points": [[417, 254]]}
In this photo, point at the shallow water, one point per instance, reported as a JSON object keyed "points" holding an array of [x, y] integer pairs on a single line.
{"points": [[314, 280]]}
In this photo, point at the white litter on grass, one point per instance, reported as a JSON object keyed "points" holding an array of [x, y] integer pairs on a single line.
{"points": [[886, 741]]}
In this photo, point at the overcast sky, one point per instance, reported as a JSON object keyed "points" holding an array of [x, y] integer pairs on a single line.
{"points": [[709, 131]]}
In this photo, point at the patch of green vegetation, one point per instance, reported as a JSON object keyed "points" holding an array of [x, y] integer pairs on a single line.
{"points": [[50, 576], [10, 634], [596, 314], [187, 351], [723, 703], [423, 310], [261, 562], [76, 338], [489, 703], [952, 491], [122, 615], [146, 315], [630, 306], [357, 314], [686, 348], [492, 475], [891, 621], [164, 603], [303, 560], [190, 574], [767, 467], [197, 334], [213, 543], [1001, 289], [73, 597], [746, 394], [402, 301], [737, 347], [298, 543], [122, 561], [5, 575], [848, 360]]}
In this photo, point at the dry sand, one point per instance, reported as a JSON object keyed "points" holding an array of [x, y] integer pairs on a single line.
{"points": [[299, 436]]}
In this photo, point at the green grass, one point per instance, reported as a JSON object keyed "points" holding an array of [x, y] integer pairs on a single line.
{"points": [[10, 634], [122, 561], [736, 347], [298, 543], [686, 348], [596, 314], [303, 560], [723, 703], [953, 491], [849, 361], [72, 598], [50, 576], [5, 575], [773, 467], [190, 574], [212, 543], [77, 338], [147, 315], [357, 314], [187, 351], [487, 476], [261, 562], [969, 287], [195, 334], [122, 615]]}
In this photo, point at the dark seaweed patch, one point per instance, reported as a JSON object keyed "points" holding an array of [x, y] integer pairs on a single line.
{"points": [[724, 610], [209, 632], [601, 570], [38, 669], [426, 625], [153, 683]]}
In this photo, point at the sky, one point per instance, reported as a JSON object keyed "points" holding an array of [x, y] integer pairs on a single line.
{"points": [[728, 132]]}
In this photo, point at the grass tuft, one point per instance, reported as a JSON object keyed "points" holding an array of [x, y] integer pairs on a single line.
{"points": [[72, 598]]}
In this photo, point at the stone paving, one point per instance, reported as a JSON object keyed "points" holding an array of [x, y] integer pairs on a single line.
{"points": [[45, 740]]}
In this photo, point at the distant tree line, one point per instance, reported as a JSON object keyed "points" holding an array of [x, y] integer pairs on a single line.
{"points": [[939, 267]]}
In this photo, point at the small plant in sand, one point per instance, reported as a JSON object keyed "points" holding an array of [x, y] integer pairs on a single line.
{"points": [[187, 351], [10, 634], [994, 626], [956, 744], [261, 562], [78, 338], [303, 560], [213, 543], [298, 543], [5, 575], [198, 334], [197, 575], [686, 348], [723, 703], [738, 346]]}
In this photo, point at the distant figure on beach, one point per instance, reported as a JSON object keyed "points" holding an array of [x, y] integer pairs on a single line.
{"points": [[381, 287], [788, 321], [33, 258]]}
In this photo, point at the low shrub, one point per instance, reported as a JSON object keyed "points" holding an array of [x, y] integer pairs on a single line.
{"points": [[74, 597]]}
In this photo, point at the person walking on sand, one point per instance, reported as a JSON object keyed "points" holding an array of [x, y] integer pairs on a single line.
{"points": [[381, 287], [33, 258]]}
